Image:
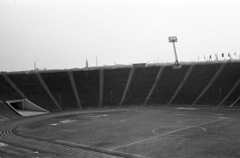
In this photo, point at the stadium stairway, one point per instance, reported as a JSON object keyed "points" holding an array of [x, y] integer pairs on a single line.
{"points": [[154, 84], [59, 84], [7, 112], [141, 84], [87, 86], [200, 76], [114, 85]]}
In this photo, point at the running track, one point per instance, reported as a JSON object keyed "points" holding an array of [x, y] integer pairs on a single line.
{"points": [[7, 135]]}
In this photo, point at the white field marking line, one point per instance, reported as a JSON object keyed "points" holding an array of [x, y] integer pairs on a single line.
{"points": [[177, 114], [113, 123], [155, 112], [62, 141], [34, 130], [165, 134], [78, 124], [42, 127], [91, 121], [116, 122], [4, 117], [204, 130], [90, 115]]}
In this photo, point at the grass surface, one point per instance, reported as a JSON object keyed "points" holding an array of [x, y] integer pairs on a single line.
{"points": [[150, 132]]}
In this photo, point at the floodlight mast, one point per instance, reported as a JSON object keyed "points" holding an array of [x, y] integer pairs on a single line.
{"points": [[173, 39]]}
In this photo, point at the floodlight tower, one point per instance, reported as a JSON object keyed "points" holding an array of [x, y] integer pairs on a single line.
{"points": [[173, 39]]}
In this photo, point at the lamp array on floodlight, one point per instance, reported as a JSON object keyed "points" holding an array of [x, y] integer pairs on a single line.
{"points": [[172, 39]]}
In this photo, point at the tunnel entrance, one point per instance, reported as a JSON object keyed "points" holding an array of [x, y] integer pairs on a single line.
{"points": [[25, 107]]}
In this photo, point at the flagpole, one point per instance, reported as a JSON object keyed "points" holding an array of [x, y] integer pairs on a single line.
{"points": [[86, 63], [96, 61]]}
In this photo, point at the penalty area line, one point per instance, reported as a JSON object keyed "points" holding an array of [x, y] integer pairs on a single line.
{"points": [[143, 140], [47, 126], [203, 130], [174, 113], [115, 122], [92, 147]]}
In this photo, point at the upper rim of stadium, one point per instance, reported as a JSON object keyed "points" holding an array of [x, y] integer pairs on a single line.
{"points": [[121, 66]]}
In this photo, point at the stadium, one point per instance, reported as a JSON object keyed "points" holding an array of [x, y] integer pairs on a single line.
{"points": [[136, 111]]}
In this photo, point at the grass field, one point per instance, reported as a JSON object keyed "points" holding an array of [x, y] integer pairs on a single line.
{"points": [[148, 132]]}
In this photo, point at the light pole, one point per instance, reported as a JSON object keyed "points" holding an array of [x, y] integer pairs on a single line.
{"points": [[111, 95], [220, 94], [60, 97], [26, 81], [173, 39], [158, 95], [36, 153]]}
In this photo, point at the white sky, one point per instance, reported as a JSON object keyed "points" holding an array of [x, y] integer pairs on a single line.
{"points": [[61, 34]]}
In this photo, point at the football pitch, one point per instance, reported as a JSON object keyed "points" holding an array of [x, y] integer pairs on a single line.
{"points": [[152, 132]]}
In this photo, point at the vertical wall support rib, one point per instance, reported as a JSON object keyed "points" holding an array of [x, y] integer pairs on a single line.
{"points": [[101, 82], [154, 85], [13, 85], [209, 84], [74, 88], [182, 84], [47, 90], [127, 86], [234, 102], [229, 93]]}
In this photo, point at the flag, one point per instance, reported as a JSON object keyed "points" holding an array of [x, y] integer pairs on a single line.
{"points": [[235, 55], [216, 56], [229, 54]]}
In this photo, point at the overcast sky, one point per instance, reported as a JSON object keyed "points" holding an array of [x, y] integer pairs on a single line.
{"points": [[61, 34]]}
